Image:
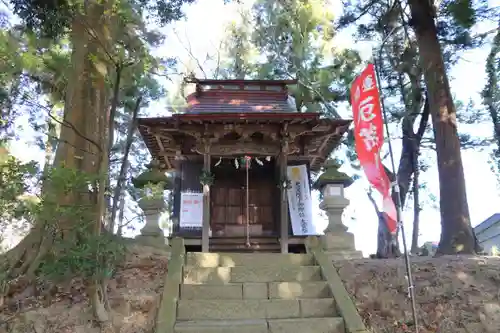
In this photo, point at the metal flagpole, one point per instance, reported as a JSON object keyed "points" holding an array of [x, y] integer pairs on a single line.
{"points": [[411, 288]]}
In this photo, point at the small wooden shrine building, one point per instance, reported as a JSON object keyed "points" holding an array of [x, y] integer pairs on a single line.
{"points": [[229, 151]]}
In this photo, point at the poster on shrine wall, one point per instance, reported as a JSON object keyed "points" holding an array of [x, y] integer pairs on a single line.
{"points": [[300, 201], [191, 215]]}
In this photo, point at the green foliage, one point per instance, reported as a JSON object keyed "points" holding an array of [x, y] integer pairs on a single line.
{"points": [[463, 12], [240, 51], [165, 11], [491, 99], [68, 212], [15, 176], [454, 21], [37, 64], [297, 39], [206, 178], [95, 256], [152, 191], [68, 195], [64, 213], [291, 40], [53, 19]]}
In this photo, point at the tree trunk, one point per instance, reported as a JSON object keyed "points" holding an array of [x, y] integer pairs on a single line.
{"points": [[416, 207], [406, 168], [456, 231], [82, 147], [491, 98], [410, 140], [121, 216], [385, 245], [124, 166]]}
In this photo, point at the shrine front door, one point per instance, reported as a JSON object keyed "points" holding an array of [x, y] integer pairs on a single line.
{"points": [[230, 208]]}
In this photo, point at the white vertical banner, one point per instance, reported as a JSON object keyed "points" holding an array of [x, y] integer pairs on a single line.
{"points": [[300, 201], [191, 215]]}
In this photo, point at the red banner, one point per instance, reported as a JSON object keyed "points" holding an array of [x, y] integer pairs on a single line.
{"points": [[369, 137]]}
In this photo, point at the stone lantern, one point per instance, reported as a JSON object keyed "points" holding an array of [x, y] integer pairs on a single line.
{"points": [[337, 240], [152, 183]]}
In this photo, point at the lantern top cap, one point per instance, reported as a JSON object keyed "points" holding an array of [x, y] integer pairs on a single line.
{"points": [[331, 175], [153, 175]]}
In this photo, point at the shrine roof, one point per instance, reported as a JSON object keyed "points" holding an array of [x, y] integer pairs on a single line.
{"points": [[170, 139], [239, 96], [217, 117], [231, 112], [242, 81]]}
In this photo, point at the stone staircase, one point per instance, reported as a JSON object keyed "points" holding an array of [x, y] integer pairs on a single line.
{"points": [[237, 244], [255, 293]]}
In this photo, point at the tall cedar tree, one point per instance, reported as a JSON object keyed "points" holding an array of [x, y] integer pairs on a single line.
{"points": [[440, 39], [100, 33], [457, 235]]}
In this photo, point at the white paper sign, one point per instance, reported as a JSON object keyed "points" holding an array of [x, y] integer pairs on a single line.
{"points": [[300, 201], [191, 215]]}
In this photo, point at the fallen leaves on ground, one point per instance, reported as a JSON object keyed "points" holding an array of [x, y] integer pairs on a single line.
{"points": [[134, 296], [454, 294]]}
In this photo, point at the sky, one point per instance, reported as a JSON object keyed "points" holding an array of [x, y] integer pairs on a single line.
{"points": [[204, 28]]}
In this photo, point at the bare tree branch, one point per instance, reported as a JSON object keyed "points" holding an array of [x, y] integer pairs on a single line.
{"points": [[66, 124], [190, 53]]}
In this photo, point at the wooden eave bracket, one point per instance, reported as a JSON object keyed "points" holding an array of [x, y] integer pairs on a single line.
{"points": [[162, 149]]}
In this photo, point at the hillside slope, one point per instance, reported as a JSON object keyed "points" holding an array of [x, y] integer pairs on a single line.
{"points": [[455, 294], [134, 295]]}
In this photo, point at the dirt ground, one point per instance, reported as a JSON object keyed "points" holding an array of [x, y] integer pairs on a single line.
{"points": [[454, 294], [134, 295]]}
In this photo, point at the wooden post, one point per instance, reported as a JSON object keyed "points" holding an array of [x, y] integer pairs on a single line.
{"points": [[283, 161], [206, 205]]}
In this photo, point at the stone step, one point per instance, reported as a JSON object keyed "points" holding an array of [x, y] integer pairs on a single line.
{"points": [[270, 290], [275, 273], [253, 248], [247, 259], [300, 325], [307, 325], [222, 326], [243, 240], [302, 290], [254, 309]]}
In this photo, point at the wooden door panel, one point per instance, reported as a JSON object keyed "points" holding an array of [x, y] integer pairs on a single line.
{"points": [[229, 205], [234, 197], [254, 215], [253, 196], [266, 215], [219, 196], [265, 197], [261, 215], [261, 194], [261, 205], [218, 214], [234, 215]]}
